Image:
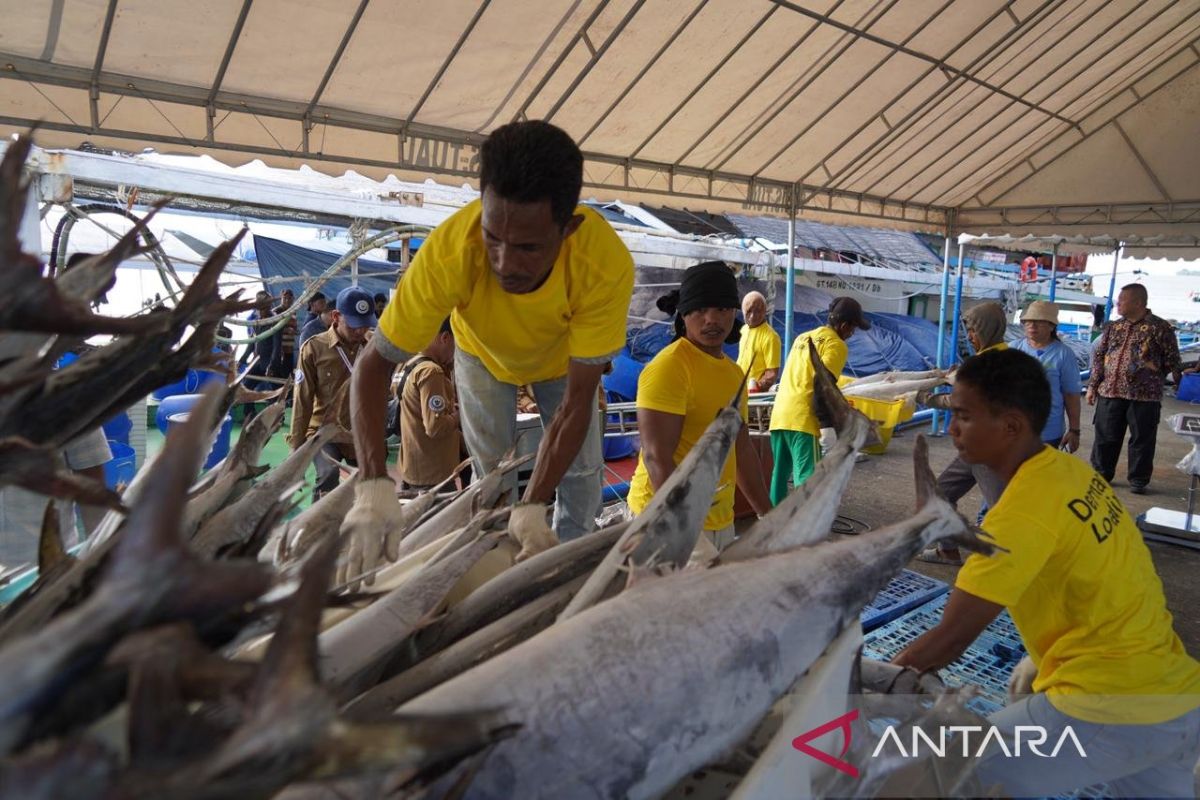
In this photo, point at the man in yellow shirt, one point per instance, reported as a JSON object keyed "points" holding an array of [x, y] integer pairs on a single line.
{"points": [[680, 393], [760, 345], [795, 431], [1076, 577], [537, 288]]}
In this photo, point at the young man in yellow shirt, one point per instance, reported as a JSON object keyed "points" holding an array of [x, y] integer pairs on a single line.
{"points": [[795, 431], [680, 393], [760, 345], [537, 289], [1076, 577]]}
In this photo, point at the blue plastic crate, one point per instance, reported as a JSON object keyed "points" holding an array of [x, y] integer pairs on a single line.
{"points": [[987, 663], [906, 591]]}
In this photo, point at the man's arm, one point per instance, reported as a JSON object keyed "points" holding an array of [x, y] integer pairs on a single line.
{"points": [[965, 617], [749, 473], [302, 399], [1097, 376], [659, 432], [368, 409], [566, 432], [438, 418], [1173, 361], [767, 379]]}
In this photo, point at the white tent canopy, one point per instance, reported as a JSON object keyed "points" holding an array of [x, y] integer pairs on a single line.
{"points": [[1010, 116], [1169, 247]]}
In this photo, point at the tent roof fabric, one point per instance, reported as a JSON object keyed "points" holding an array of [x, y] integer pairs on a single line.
{"points": [[1001, 116]]}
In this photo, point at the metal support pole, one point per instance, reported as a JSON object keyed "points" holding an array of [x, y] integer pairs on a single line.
{"points": [[789, 292], [1112, 284], [1053, 272], [958, 289], [942, 320]]}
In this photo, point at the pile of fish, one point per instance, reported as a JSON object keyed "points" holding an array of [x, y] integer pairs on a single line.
{"points": [[198, 647]]}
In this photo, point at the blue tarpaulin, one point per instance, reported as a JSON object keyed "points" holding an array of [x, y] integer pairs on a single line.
{"points": [[894, 342], [281, 260]]}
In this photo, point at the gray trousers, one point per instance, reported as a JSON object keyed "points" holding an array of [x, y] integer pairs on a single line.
{"points": [[958, 478], [1134, 760], [489, 425]]}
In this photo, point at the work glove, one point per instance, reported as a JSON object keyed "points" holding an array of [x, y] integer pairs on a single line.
{"points": [[527, 525], [1020, 683], [375, 513], [828, 440]]}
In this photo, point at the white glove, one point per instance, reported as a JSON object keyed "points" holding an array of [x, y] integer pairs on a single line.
{"points": [[527, 525], [828, 439], [375, 513], [1020, 683]]}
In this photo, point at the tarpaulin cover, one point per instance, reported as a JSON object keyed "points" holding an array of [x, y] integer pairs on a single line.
{"points": [[281, 260], [894, 342]]}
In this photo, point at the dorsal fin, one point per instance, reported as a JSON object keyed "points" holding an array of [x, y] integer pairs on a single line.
{"points": [[291, 661], [50, 546]]}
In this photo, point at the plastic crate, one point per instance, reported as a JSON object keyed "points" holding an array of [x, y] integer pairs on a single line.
{"points": [[987, 663], [906, 591]]}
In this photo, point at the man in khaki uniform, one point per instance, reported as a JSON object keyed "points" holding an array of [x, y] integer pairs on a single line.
{"points": [[326, 362], [430, 440]]}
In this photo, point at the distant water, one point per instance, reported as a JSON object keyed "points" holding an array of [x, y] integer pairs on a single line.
{"points": [[1168, 293]]}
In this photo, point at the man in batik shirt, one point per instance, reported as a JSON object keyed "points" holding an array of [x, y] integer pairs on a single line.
{"points": [[1129, 364]]}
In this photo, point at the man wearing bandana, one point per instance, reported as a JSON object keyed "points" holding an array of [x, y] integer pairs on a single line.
{"points": [[683, 389]]}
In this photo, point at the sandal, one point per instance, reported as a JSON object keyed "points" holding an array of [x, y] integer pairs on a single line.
{"points": [[935, 555]]}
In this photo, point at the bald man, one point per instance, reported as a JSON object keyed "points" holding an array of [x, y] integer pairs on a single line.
{"points": [[759, 348]]}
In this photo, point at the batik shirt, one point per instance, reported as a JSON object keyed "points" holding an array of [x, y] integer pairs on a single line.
{"points": [[1132, 358]]}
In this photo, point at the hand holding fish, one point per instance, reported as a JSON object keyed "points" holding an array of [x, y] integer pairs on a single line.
{"points": [[376, 511], [528, 527]]}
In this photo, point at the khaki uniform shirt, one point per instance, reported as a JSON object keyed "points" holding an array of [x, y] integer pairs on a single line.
{"points": [[429, 432], [324, 368]]}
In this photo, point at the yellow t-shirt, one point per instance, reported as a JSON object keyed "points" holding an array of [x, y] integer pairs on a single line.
{"points": [[1081, 588], [579, 312], [793, 409], [758, 350], [682, 379]]}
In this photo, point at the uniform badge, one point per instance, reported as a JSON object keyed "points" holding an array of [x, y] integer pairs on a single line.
{"points": [[298, 376], [437, 404]]}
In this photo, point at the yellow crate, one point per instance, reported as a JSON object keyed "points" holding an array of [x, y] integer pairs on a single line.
{"points": [[888, 413]]}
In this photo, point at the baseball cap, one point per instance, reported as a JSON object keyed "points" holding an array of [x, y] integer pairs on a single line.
{"points": [[1040, 310], [357, 307], [847, 309]]}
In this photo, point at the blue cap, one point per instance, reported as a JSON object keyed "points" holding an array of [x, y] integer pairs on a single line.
{"points": [[357, 307]]}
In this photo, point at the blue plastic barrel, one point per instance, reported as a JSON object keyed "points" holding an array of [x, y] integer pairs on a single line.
{"points": [[190, 384], [220, 447], [122, 467], [617, 447], [175, 404], [117, 429]]}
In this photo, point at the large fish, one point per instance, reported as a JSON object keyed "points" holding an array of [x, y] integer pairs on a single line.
{"points": [[897, 376], [806, 515], [152, 579], [30, 301], [235, 523], [490, 640], [353, 651], [664, 535], [631, 695], [293, 730]]}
